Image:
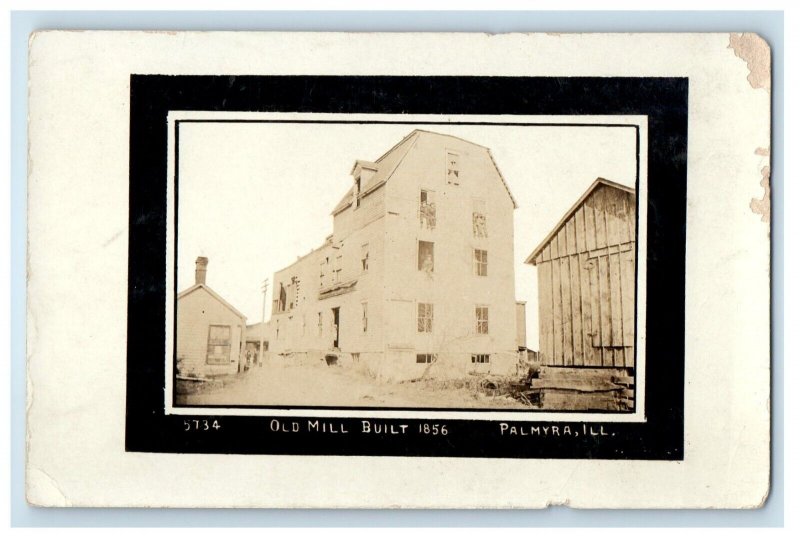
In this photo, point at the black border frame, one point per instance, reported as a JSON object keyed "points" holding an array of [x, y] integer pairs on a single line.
{"points": [[663, 100], [176, 137]]}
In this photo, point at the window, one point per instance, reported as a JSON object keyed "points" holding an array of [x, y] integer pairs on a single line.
{"points": [[479, 229], [424, 317], [282, 299], [482, 319], [337, 270], [365, 257], [319, 323], [453, 168], [219, 344], [294, 293], [481, 259], [425, 256], [480, 358], [363, 317], [322, 274], [358, 191], [426, 358], [427, 210]]}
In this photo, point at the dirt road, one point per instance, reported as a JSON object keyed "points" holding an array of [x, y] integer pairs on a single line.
{"points": [[341, 387]]}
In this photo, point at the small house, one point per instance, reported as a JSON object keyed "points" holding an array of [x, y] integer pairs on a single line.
{"points": [[210, 332]]}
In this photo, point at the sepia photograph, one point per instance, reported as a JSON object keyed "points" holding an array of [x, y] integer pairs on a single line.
{"points": [[409, 270], [329, 261]]}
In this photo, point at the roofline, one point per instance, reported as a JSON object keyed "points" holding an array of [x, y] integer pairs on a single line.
{"points": [[214, 294], [373, 188], [503, 179], [362, 163], [303, 257], [597, 182]]}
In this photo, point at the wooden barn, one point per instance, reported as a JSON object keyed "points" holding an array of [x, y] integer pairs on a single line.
{"points": [[210, 332], [587, 275]]}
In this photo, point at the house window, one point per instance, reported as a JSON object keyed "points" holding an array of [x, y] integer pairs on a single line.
{"points": [[480, 358], [425, 256], [363, 317], [219, 344], [481, 262], [424, 317], [282, 299], [427, 210], [479, 229], [365, 257], [426, 358], [337, 270], [322, 274], [482, 319], [453, 168], [319, 323], [358, 191]]}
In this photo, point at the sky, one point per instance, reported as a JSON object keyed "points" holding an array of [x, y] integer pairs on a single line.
{"points": [[253, 197]]}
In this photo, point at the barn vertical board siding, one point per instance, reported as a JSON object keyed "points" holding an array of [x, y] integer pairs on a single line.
{"points": [[599, 220], [546, 312], [587, 284], [605, 311], [558, 333], [615, 300], [566, 312], [589, 354], [628, 305], [590, 224], [577, 318]]}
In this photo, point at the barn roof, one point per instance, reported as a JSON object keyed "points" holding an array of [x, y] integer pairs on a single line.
{"points": [[214, 294], [597, 182], [387, 163]]}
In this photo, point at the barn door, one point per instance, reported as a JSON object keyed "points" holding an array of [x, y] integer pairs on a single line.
{"points": [[613, 304]]}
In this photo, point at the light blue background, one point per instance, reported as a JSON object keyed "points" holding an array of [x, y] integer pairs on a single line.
{"points": [[768, 24]]}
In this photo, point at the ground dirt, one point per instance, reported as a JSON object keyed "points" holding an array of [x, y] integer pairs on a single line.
{"points": [[337, 386]]}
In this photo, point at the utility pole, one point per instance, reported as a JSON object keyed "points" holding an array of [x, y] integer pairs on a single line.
{"points": [[264, 288]]}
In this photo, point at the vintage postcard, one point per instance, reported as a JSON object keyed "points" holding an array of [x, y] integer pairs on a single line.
{"points": [[420, 268]]}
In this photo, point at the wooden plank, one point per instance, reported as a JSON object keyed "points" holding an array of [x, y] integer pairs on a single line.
{"points": [[630, 215], [594, 294], [613, 201], [570, 236], [589, 224], [605, 311], [558, 333], [600, 223], [545, 254], [566, 312], [580, 231], [590, 357], [620, 227], [546, 311], [628, 281], [577, 317], [562, 242], [615, 283]]}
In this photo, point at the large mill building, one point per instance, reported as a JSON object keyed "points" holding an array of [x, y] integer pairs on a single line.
{"points": [[417, 278]]}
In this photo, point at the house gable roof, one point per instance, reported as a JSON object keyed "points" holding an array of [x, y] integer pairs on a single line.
{"points": [[597, 183], [214, 294], [388, 162]]}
